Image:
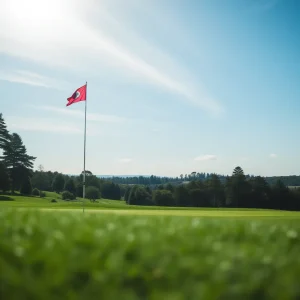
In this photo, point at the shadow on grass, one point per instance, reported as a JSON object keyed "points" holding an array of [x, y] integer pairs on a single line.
{"points": [[5, 198]]}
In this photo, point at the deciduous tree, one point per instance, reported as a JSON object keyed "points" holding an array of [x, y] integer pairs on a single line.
{"points": [[92, 193], [58, 183]]}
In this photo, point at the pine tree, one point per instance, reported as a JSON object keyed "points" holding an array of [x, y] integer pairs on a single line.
{"points": [[17, 161], [237, 188], [4, 135], [26, 187], [215, 189], [4, 178]]}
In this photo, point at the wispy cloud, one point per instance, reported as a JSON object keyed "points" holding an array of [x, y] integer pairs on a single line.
{"points": [[44, 125], [273, 155], [125, 160], [206, 157], [32, 78], [24, 77], [65, 34], [80, 114]]}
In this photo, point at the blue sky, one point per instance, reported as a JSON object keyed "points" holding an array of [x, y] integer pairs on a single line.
{"points": [[173, 86]]}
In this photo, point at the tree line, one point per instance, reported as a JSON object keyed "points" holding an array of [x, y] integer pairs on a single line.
{"points": [[95, 187], [292, 180], [236, 191]]}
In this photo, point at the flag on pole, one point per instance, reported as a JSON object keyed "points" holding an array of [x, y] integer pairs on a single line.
{"points": [[78, 95]]}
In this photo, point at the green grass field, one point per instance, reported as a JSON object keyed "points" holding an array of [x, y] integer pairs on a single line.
{"points": [[114, 251]]}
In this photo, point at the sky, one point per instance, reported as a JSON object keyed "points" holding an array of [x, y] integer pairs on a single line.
{"points": [[173, 86]]}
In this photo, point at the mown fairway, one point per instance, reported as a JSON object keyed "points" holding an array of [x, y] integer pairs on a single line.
{"points": [[112, 251]]}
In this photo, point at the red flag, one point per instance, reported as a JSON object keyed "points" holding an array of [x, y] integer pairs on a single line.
{"points": [[79, 95]]}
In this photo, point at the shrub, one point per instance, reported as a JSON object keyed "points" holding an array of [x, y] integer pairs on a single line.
{"points": [[42, 194], [92, 193], [53, 201], [35, 192], [65, 195]]}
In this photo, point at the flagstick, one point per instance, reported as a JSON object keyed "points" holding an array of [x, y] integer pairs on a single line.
{"points": [[84, 150]]}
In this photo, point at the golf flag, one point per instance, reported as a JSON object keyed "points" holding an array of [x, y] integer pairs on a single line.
{"points": [[78, 95]]}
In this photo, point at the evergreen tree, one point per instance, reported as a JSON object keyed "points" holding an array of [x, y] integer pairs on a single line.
{"points": [[181, 196], [26, 188], [238, 189], [17, 161], [260, 193], [238, 171], [215, 190], [4, 135], [280, 195], [110, 190], [127, 193], [199, 197], [4, 178]]}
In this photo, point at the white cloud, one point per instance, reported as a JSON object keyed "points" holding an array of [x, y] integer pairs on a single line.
{"points": [[206, 157], [125, 160], [273, 155], [64, 34], [78, 113]]}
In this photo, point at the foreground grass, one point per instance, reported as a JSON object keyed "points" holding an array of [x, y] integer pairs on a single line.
{"points": [[70, 255]]}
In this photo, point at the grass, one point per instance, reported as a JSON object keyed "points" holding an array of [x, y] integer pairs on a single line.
{"points": [[18, 200], [54, 251], [121, 207]]}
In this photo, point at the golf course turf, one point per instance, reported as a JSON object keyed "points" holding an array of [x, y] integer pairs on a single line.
{"points": [[114, 251]]}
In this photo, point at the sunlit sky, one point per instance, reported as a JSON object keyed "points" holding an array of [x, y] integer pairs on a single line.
{"points": [[173, 86]]}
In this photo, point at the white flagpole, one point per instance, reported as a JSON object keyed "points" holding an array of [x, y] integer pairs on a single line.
{"points": [[84, 150]]}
